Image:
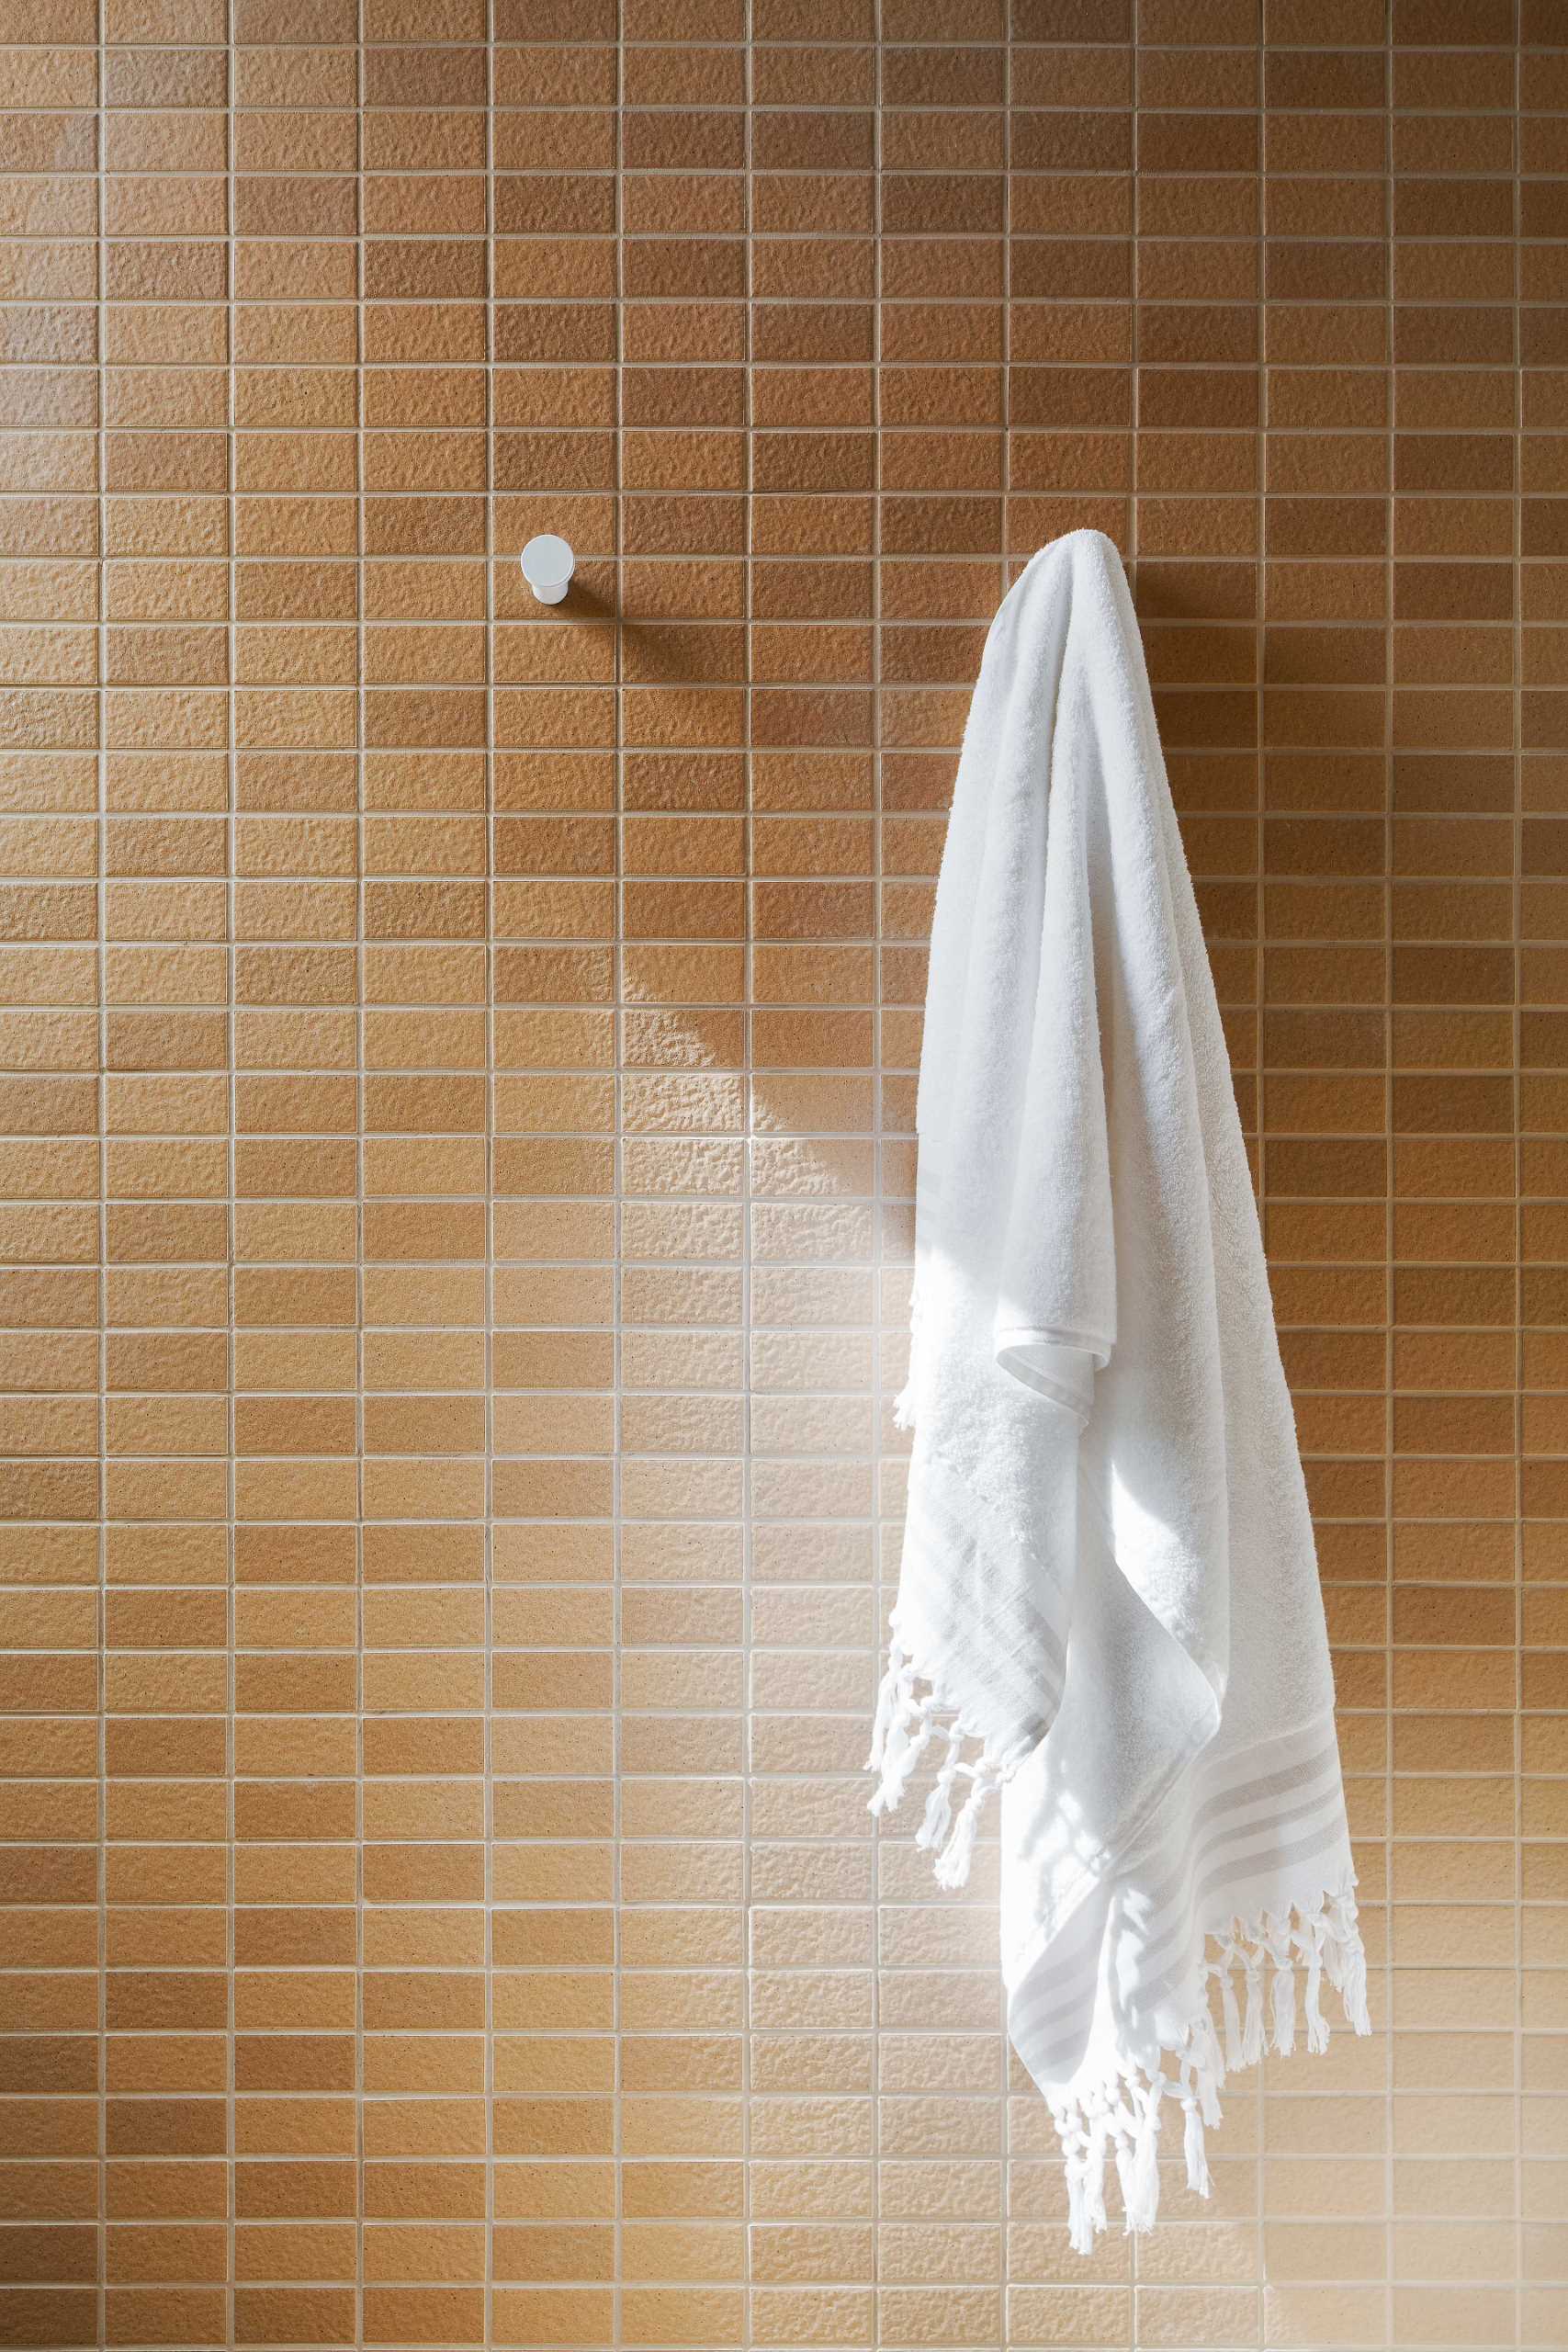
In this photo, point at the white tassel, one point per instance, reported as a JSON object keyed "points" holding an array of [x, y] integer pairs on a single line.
{"points": [[1350, 1960], [1353, 1987], [1080, 2226], [1333, 1955], [1121, 2114], [904, 1727], [953, 1862], [1208, 2068], [1316, 2024], [1345, 1958], [1144, 2209], [1232, 2011], [886, 1708], [1094, 2179], [1080, 2236], [905, 1748], [1126, 2173], [904, 1408], [895, 1747], [939, 1804], [938, 1817], [1252, 2029], [1284, 2000], [1193, 2147]]}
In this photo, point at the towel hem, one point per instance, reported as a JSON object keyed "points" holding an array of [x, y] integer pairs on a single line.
{"points": [[1020, 1335], [1093, 1344], [1116, 2116]]}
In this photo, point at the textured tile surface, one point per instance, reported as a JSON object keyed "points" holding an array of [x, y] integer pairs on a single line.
{"points": [[456, 1086]]}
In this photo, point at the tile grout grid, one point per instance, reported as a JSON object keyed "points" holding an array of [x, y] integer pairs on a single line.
{"points": [[458, 1082]]}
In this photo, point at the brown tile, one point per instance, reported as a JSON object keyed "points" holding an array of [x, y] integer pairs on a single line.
{"points": [[760, 347], [420, 77]]}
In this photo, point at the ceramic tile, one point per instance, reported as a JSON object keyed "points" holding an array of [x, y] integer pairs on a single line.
{"points": [[458, 1182]]}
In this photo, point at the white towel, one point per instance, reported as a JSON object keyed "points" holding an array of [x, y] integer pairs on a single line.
{"points": [[1108, 1604]]}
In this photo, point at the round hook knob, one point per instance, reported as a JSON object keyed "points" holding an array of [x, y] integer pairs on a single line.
{"points": [[548, 566]]}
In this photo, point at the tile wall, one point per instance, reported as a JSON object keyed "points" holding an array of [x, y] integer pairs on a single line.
{"points": [[457, 1065]]}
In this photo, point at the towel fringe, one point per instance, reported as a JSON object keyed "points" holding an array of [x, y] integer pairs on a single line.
{"points": [[954, 1861], [1279, 1941], [1344, 1958], [1231, 2010], [1276, 1963], [1145, 2203], [1193, 2145], [911, 1713], [1252, 2023], [938, 1820], [1118, 2119]]}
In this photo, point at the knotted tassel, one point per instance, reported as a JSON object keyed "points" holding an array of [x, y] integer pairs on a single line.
{"points": [[1316, 2024], [1252, 2027], [1094, 2179], [1345, 1958], [1353, 1984], [953, 1862], [939, 1804], [1143, 2211], [1208, 2068], [1138, 2156], [889, 1788], [1231, 2013], [1233, 2017], [1277, 1943], [1199, 2179], [1080, 2229], [1126, 2168], [905, 1748], [887, 1699]]}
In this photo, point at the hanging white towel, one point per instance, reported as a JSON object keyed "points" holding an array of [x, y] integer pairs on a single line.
{"points": [[1108, 1604]]}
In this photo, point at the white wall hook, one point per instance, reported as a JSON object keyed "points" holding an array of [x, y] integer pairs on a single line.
{"points": [[548, 566]]}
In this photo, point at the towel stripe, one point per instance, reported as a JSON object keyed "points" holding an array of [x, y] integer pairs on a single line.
{"points": [[1243, 1837], [1007, 1633]]}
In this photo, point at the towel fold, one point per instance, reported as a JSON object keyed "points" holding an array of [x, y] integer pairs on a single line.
{"points": [[1108, 1604]]}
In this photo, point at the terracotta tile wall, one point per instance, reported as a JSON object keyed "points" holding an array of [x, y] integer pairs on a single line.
{"points": [[456, 1056]]}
